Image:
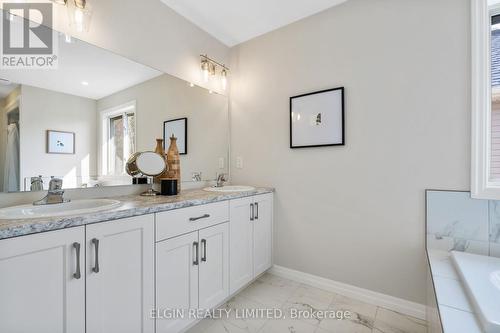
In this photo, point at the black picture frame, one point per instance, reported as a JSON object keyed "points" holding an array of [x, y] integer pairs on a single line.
{"points": [[342, 143], [165, 138]]}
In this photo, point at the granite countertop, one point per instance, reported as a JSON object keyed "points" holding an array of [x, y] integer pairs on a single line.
{"points": [[132, 205]]}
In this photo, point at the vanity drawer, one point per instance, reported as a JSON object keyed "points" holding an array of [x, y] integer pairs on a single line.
{"points": [[180, 221]]}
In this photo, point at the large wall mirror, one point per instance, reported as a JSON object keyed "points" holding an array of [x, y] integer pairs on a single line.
{"points": [[81, 121]]}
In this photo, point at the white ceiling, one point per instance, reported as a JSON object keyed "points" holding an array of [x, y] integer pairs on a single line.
{"points": [[104, 71], [236, 21]]}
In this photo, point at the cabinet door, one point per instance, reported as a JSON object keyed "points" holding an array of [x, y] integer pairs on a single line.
{"points": [[240, 244], [177, 261], [263, 233], [39, 288], [214, 262], [120, 275]]}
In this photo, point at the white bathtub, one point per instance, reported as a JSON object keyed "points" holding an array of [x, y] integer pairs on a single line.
{"points": [[481, 278]]}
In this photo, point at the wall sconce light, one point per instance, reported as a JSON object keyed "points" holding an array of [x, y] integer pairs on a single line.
{"points": [[204, 70], [79, 13], [209, 68], [223, 78]]}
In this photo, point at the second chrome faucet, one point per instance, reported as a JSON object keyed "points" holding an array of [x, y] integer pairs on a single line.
{"points": [[221, 178], [55, 194]]}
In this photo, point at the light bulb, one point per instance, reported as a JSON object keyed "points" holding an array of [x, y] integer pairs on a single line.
{"points": [[68, 39], [223, 78], [204, 70], [79, 14], [79, 19], [211, 68], [82, 4]]}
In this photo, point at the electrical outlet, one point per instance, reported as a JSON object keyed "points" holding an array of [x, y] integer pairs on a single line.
{"points": [[239, 162], [221, 162]]}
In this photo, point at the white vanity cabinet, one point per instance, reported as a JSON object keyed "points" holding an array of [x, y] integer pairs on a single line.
{"points": [[192, 269], [250, 249], [177, 264], [97, 278], [120, 275], [262, 233], [41, 288], [240, 244], [129, 275], [213, 276]]}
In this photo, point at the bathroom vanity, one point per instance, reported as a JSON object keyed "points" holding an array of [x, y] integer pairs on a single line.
{"points": [[118, 264], [123, 269]]}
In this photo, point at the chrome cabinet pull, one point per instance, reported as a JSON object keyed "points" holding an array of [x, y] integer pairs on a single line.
{"points": [[252, 212], [199, 217], [256, 210], [204, 250], [77, 274], [195, 250], [95, 241]]}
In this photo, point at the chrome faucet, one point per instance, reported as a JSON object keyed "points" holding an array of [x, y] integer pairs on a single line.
{"points": [[221, 178], [36, 184], [55, 194], [196, 176]]}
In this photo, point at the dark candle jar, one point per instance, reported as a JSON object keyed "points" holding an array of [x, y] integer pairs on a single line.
{"points": [[168, 186]]}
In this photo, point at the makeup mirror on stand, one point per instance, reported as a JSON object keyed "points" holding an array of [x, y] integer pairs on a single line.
{"points": [[148, 164]]}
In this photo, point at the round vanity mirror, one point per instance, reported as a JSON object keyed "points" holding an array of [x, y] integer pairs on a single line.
{"points": [[148, 164]]}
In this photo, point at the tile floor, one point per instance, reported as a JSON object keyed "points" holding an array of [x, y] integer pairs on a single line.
{"points": [[270, 291]]}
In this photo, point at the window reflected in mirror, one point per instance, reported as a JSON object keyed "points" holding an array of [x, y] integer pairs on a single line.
{"points": [[119, 139]]}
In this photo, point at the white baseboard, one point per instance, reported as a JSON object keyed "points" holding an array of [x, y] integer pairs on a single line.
{"points": [[389, 302]]}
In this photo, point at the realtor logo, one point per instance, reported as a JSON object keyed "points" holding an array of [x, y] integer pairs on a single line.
{"points": [[28, 40]]}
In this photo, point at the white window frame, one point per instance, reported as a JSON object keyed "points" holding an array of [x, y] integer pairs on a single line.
{"points": [[104, 147], [481, 185]]}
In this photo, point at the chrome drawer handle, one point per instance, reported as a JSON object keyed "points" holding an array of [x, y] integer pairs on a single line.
{"points": [[77, 274], [95, 241], [195, 250], [191, 219], [204, 250]]}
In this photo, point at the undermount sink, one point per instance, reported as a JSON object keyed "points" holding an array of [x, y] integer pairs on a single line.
{"points": [[230, 188], [68, 208]]}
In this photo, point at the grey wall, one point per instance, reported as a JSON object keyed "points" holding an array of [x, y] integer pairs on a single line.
{"points": [[355, 214]]}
